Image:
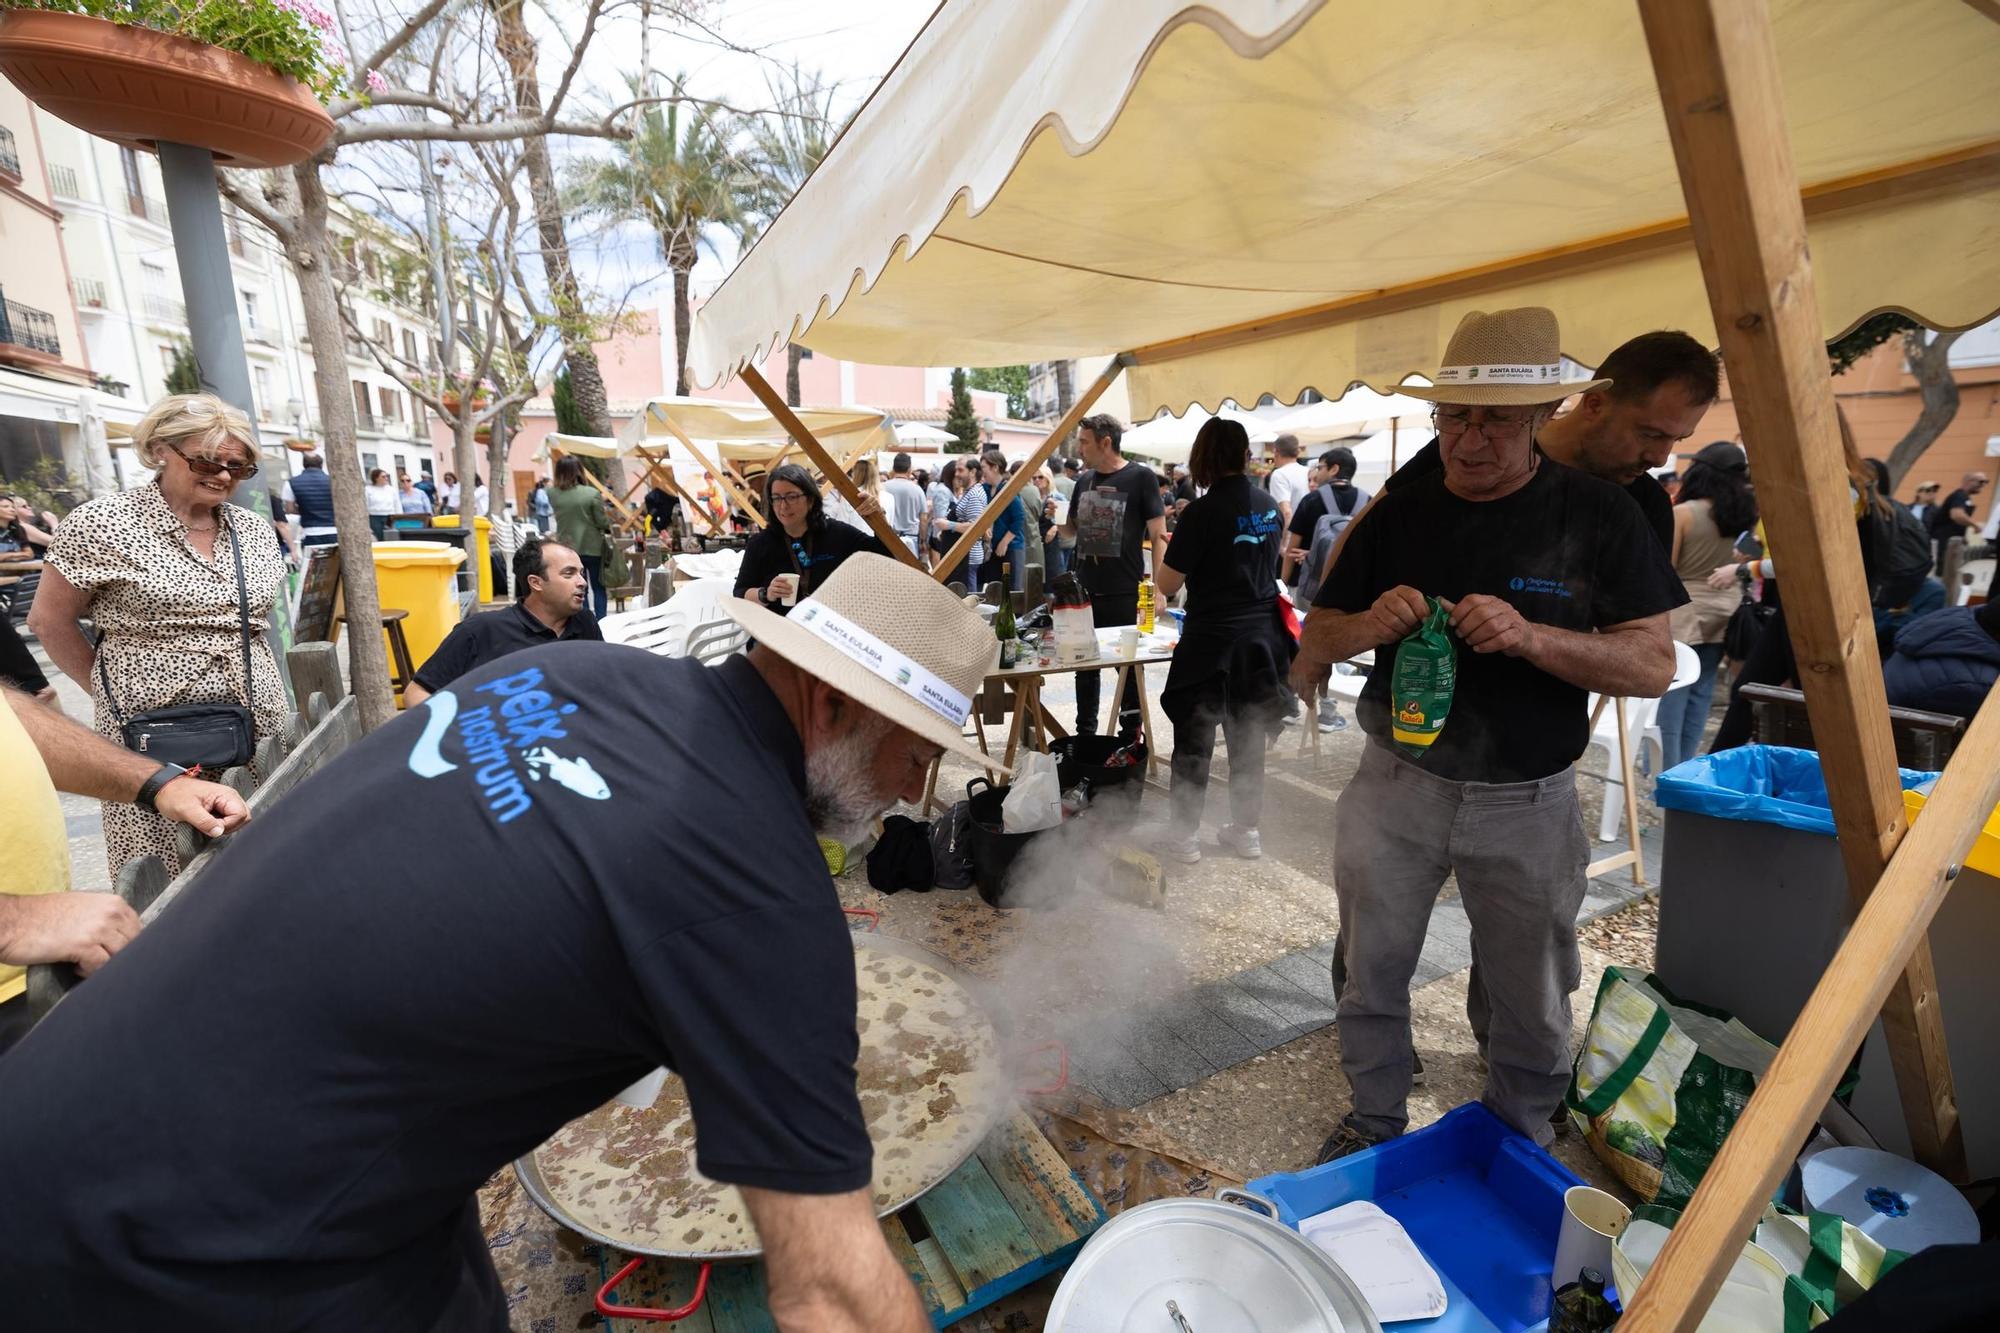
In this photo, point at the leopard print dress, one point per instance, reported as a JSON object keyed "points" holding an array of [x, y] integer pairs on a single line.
{"points": [[167, 620]]}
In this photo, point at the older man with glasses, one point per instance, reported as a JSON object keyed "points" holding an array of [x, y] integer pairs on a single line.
{"points": [[1555, 588]]}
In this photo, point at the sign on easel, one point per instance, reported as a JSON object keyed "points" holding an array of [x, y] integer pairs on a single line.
{"points": [[318, 592]]}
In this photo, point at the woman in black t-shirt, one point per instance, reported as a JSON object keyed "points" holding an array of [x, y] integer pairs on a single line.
{"points": [[1235, 651], [799, 547]]}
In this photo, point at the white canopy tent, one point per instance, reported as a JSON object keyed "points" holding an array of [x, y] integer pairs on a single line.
{"points": [[1708, 165], [1170, 439], [1359, 411], [920, 435]]}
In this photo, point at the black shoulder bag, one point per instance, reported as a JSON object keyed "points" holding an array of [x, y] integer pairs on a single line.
{"points": [[214, 736]]}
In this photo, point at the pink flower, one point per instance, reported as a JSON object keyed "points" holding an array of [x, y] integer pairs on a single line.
{"points": [[376, 83]]}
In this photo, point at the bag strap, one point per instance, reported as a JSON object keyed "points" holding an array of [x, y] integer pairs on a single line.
{"points": [[242, 616], [1627, 1073]]}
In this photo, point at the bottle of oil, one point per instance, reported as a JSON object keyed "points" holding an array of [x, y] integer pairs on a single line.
{"points": [[1581, 1307], [1146, 600]]}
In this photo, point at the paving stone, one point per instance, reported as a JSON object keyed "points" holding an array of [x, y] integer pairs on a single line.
{"points": [[1208, 1032], [1165, 1054], [1307, 973], [1117, 1076], [1304, 1011], [1258, 1023]]}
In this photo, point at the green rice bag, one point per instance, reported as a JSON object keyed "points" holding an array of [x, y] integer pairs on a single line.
{"points": [[1420, 690]]}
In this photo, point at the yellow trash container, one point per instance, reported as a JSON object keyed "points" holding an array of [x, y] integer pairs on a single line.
{"points": [[482, 541], [418, 578]]}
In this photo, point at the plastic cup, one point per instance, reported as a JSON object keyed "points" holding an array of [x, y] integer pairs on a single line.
{"points": [[1591, 1220], [1128, 642]]}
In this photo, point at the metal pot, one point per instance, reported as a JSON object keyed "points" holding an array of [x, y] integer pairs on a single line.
{"points": [[1206, 1266]]}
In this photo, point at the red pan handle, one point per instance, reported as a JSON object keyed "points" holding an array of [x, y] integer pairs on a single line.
{"points": [[611, 1309], [1062, 1067], [874, 917]]}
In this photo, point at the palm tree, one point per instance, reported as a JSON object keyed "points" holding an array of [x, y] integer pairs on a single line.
{"points": [[786, 144], [681, 175]]}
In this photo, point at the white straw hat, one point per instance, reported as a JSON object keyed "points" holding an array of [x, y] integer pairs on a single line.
{"points": [[1510, 358], [891, 638]]}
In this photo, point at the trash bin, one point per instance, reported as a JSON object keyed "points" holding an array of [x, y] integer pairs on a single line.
{"points": [[418, 578], [482, 555]]}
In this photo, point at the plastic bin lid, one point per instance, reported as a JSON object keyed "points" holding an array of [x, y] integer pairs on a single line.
{"points": [[404, 555], [1763, 784]]}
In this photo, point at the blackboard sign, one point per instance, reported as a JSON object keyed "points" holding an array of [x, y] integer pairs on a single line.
{"points": [[317, 592]]}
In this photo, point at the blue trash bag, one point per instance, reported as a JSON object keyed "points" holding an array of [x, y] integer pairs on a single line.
{"points": [[1766, 784]]}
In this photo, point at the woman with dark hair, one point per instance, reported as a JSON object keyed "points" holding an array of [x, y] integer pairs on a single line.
{"points": [[582, 526], [1006, 556], [968, 502], [383, 504], [793, 553], [1235, 651], [1716, 506]]}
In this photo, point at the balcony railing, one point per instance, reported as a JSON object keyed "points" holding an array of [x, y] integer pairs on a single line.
{"points": [[259, 333], [63, 181], [25, 326], [89, 293], [147, 206], [366, 421], [165, 309], [10, 160]]}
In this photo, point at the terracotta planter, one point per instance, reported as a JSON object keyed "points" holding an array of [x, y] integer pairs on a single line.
{"points": [[138, 87], [482, 434]]}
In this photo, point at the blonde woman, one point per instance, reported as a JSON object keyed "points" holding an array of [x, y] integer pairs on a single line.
{"points": [[155, 570]]}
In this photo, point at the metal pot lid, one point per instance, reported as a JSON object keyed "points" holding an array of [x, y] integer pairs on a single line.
{"points": [[1224, 1270]]}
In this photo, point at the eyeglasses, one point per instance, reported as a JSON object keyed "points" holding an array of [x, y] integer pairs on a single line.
{"points": [[1496, 429], [787, 498], [208, 467]]}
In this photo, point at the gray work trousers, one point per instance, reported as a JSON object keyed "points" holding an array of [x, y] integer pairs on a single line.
{"points": [[1519, 852]]}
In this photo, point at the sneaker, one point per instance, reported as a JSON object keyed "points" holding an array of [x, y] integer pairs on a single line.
{"points": [[1346, 1139], [1245, 842], [1330, 719], [1186, 850], [1416, 1070], [1559, 1119]]}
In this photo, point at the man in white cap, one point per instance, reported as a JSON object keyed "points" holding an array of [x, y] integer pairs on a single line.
{"points": [[568, 867], [1555, 588]]}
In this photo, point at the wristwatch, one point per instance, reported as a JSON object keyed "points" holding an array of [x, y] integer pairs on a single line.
{"points": [[150, 788]]}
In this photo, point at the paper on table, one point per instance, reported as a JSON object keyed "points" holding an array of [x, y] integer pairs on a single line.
{"points": [[1372, 1248]]}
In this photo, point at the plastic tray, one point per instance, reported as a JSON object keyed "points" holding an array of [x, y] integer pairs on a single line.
{"points": [[1481, 1201]]}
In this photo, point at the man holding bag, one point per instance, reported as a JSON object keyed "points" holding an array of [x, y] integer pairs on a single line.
{"points": [[1555, 588]]}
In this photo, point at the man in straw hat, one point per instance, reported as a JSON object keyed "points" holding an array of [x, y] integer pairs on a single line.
{"points": [[565, 869], [1555, 588]]}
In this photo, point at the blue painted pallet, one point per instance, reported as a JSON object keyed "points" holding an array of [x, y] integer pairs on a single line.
{"points": [[1011, 1214]]}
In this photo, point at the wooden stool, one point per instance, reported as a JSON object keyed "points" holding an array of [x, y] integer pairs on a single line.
{"points": [[399, 648], [620, 596]]}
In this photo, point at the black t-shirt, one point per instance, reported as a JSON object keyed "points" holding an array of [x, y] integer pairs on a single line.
{"points": [[272, 1109], [479, 639], [1648, 494], [1306, 513], [1566, 550], [1227, 546], [1111, 511], [1943, 529], [814, 556]]}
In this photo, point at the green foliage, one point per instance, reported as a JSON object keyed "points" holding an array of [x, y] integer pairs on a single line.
{"points": [[787, 143], [569, 417], [45, 485], [1010, 380], [961, 422], [184, 376], [296, 38], [1868, 335]]}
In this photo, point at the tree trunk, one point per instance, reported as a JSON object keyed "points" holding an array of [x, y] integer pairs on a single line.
{"points": [[683, 320], [311, 256], [1929, 355], [793, 355], [498, 479], [586, 378], [1065, 398]]}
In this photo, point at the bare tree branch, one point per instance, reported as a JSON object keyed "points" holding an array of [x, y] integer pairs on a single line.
{"points": [[243, 190], [581, 45], [488, 132], [402, 36]]}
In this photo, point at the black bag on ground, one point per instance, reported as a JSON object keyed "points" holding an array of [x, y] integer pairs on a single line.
{"points": [[901, 857], [951, 848], [212, 736]]}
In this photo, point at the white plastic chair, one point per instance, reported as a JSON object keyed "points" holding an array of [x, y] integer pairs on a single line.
{"points": [[710, 643], [666, 628], [1641, 730]]}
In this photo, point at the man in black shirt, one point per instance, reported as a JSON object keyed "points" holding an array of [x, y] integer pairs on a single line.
{"points": [[1660, 385], [1115, 510], [1954, 517], [272, 1108], [1555, 589], [552, 591]]}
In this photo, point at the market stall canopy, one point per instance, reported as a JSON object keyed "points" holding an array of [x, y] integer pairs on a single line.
{"points": [[1287, 177], [1170, 439], [583, 446], [747, 433], [1359, 412], [917, 433]]}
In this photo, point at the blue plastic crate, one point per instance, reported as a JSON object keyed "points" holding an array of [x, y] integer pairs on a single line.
{"points": [[1481, 1201]]}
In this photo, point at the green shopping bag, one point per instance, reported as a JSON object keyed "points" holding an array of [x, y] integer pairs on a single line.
{"points": [[1659, 1083]]}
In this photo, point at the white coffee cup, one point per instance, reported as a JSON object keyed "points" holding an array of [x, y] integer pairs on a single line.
{"points": [[1591, 1221], [1128, 642], [787, 588]]}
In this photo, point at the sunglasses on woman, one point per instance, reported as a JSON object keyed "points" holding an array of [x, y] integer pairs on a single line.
{"points": [[208, 467]]}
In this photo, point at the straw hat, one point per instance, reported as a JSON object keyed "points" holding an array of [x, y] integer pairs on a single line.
{"points": [[891, 638], [1510, 358]]}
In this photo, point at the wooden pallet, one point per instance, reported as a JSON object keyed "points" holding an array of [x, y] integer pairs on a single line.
{"points": [[1014, 1212]]}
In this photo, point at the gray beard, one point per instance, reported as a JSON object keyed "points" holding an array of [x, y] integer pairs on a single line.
{"points": [[841, 801]]}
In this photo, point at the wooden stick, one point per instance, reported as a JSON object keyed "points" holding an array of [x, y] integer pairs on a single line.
{"points": [[836, 476], [664, 470], [1026, 472], [721, 474], [1717, 69], [1631, 795]]}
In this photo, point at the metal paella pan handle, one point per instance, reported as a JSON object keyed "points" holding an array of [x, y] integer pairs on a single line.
{"points": [[612, 1310], [1256, 1202]]}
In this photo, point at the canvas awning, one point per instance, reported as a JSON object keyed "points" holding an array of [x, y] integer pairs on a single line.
{"points": [[919, 434], [583, 446], [1075, 178], [1170, 439], [1360, 412], [748, 434]]}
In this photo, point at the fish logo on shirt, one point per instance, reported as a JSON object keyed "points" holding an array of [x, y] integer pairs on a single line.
{"points": [[504, 737], [576, 774]]}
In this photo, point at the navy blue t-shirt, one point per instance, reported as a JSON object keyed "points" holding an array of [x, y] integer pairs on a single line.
{"points": [[272, 1109]]}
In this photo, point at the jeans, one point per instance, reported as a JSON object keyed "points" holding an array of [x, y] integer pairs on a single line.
{"points": [[1194, 750], [1520, 853], [1684, 712], [1109, 611], [379, 525], [593, 568]]}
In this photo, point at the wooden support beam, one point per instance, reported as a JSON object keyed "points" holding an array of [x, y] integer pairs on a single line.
{"points": [[721, 474], [664, 470], [1717, 69], [1026, 472], [835, 474]]}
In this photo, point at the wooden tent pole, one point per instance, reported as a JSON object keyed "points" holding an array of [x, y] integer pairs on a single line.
{"points": [[1026, 472], [721, 474], [836, 475], [664, 470], [1716, 65]]}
